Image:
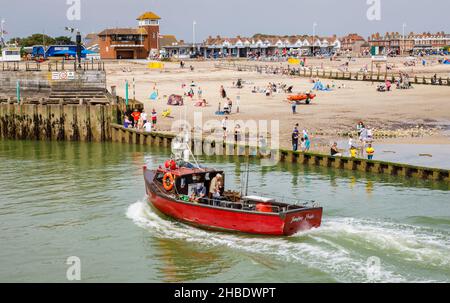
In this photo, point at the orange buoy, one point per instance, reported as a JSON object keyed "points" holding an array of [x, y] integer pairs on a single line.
{"points": [[264, 208], [168, 181]]}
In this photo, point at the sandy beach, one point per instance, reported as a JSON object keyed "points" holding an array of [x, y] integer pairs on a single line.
{"points": [[332, 113]]}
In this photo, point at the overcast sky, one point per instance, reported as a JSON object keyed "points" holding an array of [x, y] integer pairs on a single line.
{"points": [[228, 17]]}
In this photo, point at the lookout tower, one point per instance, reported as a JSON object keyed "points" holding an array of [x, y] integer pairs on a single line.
{"points": [[150, 22]]}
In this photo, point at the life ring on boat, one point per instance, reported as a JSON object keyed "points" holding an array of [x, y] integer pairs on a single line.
{"points": [[168, 181]]}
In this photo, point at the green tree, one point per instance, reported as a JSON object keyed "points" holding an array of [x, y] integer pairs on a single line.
{"points": [[63, 40], [35, 39]]}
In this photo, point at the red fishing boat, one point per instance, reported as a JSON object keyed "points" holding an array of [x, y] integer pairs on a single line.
{"points": [[181, 191]]}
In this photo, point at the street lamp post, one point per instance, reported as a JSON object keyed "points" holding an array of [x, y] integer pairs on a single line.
{"points": [[314, 36], [403, 50], [193, 36], [2, 32]]}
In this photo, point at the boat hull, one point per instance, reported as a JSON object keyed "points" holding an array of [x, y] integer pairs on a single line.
{"points": [[223, 219]]}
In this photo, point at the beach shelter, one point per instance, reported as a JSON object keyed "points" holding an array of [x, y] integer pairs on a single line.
{"points": [[175, 100], [154, 96], [318, 86]]}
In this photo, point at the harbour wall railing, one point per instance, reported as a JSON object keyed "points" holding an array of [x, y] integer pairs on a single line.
{"points": [[131, 136], [335, 75]]}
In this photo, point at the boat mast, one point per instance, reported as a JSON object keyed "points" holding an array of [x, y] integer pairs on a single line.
{"points": [[244, 189]]}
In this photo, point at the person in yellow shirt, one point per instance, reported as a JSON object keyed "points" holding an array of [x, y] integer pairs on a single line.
{"points": [[370, 152], [353, 152]]}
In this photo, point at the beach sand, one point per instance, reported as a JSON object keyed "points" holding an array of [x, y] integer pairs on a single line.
{"points": [[331, 112]]}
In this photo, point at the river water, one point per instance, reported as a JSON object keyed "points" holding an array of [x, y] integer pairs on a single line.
{"points": [[59, 200]]}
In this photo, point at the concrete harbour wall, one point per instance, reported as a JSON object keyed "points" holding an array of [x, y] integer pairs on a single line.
{"points": [[63, 122]]}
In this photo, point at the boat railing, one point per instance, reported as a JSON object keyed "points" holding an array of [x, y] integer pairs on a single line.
{"points": [[290, 201], [235, 205], [223, 203], [248, 205]]}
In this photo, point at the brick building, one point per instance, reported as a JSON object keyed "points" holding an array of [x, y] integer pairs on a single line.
{"points": [[353, 43], [132, 43], [395, 43]]}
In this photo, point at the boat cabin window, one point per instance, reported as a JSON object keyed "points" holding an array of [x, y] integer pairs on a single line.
{"points": [[159, 177], [188, 183], [183, 183]]}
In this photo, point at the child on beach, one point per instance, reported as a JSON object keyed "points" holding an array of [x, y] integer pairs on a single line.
{"points": [[148, 127], [154, 117], [126, 122], [370, 152], [136, 115], [353, 152]]}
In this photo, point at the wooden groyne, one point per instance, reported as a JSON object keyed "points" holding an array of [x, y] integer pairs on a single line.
{"points": [[335, 75], [132, 136]]}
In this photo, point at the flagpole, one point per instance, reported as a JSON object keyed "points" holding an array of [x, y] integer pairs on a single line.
{"points": [[194, 23], [2, 41]]}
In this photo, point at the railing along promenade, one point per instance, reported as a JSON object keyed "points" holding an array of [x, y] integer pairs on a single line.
{"points": [[336, 75]]}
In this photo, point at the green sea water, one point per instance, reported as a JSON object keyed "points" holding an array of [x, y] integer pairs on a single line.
{"points": [[59, 200]]}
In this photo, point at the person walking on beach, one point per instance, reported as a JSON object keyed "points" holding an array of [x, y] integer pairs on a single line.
{"points": [[294, 107], [237, 134], [307, 144], [136, 115], [225, 127], [295, 137], [223, 93], [154, 117], [370, 152], [144, 117]]}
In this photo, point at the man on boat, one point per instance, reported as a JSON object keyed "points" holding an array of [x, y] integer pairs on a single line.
{"points": [[199, 193], [214, 188]]}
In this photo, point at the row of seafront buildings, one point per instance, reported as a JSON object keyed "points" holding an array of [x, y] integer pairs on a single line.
{"points": [[147, 41]]}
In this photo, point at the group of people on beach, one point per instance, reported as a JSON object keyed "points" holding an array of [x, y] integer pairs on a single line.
{"points": [[365, 146], [300, 141], [140, 120]]}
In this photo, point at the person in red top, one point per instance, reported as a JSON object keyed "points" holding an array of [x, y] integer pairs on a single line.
{"points": [[136, 115]]}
